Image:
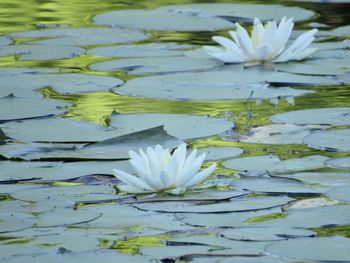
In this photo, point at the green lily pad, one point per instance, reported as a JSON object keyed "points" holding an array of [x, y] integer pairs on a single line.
{"points": [[157, 65], [235, 219], [334, 45], [339, 116], [62, 83], [41, 52], [161, 20], [273, 164], [341, 163], [340, 193], [220, 153], [82, 36], [343, 31], [334, 249], [14, 221], [236, 205], [112, 148], [336, 140], [4, 41], [326, 66], [57, 170], [334, 54], [327, 179], [57, 128], [279, 133], [276, 185], [199, 196], [211, 85], [312, 217], [237, 12], [141, 50], [12, 108], [123, 216], [265, 234]]}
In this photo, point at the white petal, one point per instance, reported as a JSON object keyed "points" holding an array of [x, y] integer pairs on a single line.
{"points": [[191, 171], [264, 52], [298, 45], [166, 179], [131, 179], [132, 189], [257, 33], [229, 45], [244, 41], [282, 35], [222, 55], [200, 176]]}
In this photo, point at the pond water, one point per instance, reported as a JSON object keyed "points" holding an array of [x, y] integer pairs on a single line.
{"points": [[83, 82]]}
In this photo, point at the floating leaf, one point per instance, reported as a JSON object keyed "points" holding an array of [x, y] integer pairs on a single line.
{"points": [[265, 234], [341, 163], [14, 221], [220, 85], [333, 116], [12, 108], [237, 12], [279, 133], [141, 50], [4, 41], [112, 148], [63, 83], [157, 65], [161, 20], [12, 171], [343, 31], [82, 36], [328, 179], [336, 140], [41, 52], [235, 205], [276, 186], [335, 249], [220, 153], [340, 193], [273, 164], [326, 66]]}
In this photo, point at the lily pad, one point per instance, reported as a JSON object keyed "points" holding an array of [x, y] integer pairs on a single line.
{"points": [[220, 153], [238, 12], [343, 31], [280, 133], [327, 179], [273, 164], [112, 148], [265, 234], [141, 50], [63, 83], [57, 128], [326, 66], [41, 52], [334, 45], [4, 41], [157, 65], [339, 116], [341, 163], [161, 20], [235, 205], [57, 170], [335, 249], [82, 36], [336, 140], [312, 217], [15, 221], [206, 86], [276, 186], [340, 193], [235, 219], [12, 108]]}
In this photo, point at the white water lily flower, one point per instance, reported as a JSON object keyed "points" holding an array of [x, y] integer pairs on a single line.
{"points": [[159, 170], [266, 43]]}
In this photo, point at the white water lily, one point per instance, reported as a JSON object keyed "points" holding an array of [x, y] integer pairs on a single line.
{"points": [[158, 170], [266, 43]]}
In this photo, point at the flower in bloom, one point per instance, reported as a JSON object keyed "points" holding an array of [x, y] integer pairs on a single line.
{"points": [[158, 170], [266, 43]]}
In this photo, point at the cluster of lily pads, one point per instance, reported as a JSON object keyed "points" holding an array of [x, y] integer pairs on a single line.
{"points": [[56, 175]]}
